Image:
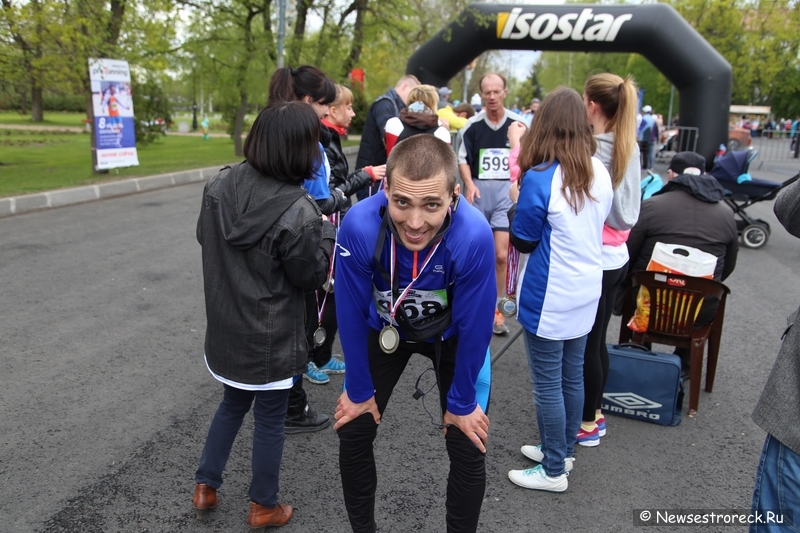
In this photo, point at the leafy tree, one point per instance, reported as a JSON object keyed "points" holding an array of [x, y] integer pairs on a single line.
{"points": [[530, 88], [24, 27], [226, 39], [152, 108]]}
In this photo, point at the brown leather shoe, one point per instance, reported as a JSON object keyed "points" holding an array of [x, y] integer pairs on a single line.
{"points": [[205, 500], [261, 517]]}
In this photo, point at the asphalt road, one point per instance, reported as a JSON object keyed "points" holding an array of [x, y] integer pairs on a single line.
{"points": [[105, 400]]}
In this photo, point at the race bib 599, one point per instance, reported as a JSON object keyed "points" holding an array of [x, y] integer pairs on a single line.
{"points": [[493, 164]]}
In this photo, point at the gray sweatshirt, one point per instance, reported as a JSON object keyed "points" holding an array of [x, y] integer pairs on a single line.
{"points": [[628, 196]]}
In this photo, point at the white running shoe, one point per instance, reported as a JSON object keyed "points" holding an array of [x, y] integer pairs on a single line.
{"points": [[537, 479], [534, 453]]}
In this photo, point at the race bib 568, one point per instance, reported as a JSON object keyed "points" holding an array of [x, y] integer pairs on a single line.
{"points": [[417, 305]]}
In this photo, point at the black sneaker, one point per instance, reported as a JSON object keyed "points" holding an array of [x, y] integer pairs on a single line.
{"points": [[306, 422]]}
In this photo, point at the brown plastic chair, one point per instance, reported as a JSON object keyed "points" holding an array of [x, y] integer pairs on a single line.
{"points": [[674, 302]]}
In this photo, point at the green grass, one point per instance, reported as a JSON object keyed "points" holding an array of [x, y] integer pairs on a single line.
{"points": [[51, 118], [32, 161]]}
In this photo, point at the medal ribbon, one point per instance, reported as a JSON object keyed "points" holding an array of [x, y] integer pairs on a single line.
{"points": [[512, 270], [393, 260]]}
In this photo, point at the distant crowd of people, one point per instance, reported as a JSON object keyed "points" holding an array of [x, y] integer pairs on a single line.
{"points": [[785, 127]]}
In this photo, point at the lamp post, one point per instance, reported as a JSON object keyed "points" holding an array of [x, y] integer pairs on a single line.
{"points": [[194, 96]]}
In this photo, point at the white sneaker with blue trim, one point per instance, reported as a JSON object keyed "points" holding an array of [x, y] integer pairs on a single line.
{"points": [[534, 453], [537, 479]]}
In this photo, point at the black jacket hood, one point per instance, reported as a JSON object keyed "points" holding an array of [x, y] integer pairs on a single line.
{"points": [[705, 188], [245, 219]]}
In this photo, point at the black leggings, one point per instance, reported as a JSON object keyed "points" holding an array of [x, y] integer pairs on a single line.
{"points": [[466, 482], [595, 359], [319, 355]]}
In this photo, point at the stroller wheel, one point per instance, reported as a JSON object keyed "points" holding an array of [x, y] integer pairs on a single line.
{"points": [[755, 236]]}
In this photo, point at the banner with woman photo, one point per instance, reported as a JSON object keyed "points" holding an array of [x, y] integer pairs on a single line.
{"points": [[112, 102]]}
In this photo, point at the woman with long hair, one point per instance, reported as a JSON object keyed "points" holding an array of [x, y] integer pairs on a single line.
{"points": [[564, 196], [610, 103], [264, 244]]}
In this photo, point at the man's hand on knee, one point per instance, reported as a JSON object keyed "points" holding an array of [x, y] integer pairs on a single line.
{"points": [[474, 425], [347, 410]]}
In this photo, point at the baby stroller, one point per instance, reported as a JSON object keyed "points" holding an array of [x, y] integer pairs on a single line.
{"points": [[667, 147], [742, 191]]}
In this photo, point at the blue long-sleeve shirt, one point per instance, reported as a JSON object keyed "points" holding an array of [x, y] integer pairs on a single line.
{"points": [[463, 263]]}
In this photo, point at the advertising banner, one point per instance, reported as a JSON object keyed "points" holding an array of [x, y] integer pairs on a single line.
{"points": [[114, 127]]}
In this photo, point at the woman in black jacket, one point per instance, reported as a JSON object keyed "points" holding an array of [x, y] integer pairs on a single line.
{"points": [[264, 245]]}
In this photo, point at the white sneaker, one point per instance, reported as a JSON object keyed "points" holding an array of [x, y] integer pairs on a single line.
{"points": [[537, 479], [534, 453]]}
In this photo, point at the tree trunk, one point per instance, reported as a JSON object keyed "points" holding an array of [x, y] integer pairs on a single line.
{"points": [[358, 37], [323, 43], [299, 31], [241, 83], [37, 75], [238, 126], [117, 9], [271, 49], [37, 109]]}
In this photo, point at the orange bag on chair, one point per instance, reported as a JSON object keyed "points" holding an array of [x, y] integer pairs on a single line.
{"points": [[675, 259]]}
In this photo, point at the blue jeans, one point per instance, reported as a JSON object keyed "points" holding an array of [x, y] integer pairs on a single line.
{"points": [[557, 375], [269, 413], [777, 487]]}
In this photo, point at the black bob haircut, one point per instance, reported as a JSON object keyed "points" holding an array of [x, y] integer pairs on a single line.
{"points": [[284, 142]]}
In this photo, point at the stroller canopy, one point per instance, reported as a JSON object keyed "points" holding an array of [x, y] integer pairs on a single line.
{"points": [[730, 166]]}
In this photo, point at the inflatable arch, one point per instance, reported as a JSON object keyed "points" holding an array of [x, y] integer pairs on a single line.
{"points": [[656, 31]]}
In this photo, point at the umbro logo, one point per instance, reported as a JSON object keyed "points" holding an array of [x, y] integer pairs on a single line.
{"points": [[630, 400]]}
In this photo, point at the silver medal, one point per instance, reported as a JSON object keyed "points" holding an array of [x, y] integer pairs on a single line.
{"points": [[389, 339], [328, 285], [507, 307], [319, 336]]}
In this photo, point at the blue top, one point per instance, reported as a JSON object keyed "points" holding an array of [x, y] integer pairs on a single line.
{"points": [[648, 121], [317, 186], [463, 263]]}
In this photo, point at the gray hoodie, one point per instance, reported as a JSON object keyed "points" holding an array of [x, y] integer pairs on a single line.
{"points": [[628, 196]]}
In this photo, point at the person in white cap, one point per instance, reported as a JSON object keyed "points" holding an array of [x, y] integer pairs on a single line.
{"points": [[444, 97], [648, 135], [476, 102]]}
